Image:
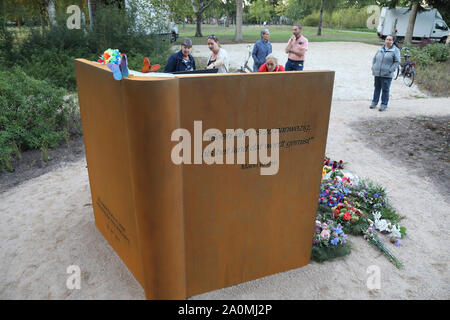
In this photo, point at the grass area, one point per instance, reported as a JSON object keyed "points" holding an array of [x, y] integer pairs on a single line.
{"points": [[277, 34], [434, 78]]}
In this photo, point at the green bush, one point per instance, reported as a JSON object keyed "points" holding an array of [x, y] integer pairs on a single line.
{"points": [[6, 40], [438, 52], [435, 52], [33, 115], [349, 18], [312, 20], [48, 53]]}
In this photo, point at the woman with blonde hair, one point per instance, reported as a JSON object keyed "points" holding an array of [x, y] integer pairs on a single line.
{"points": [[271, 65], [219, 57]]}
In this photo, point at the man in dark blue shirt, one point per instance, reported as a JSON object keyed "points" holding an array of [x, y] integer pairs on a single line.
{"points": [[261, 50], [181, 60]]}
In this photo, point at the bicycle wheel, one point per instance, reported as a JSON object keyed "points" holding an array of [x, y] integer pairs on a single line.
{"points": [[397, 73], [408, 76]]}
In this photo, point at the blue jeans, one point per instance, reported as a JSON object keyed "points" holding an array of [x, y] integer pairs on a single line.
{"points": [[292, 65], [382, 86]]}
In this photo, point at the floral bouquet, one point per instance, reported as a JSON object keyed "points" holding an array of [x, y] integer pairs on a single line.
{"points": [[347, 207], [371, 236], [346, 212], [329, 241], [353, 219], [333, 191]]}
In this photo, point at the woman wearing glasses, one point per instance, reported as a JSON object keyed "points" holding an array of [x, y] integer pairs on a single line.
{"points": [[219, 57]]}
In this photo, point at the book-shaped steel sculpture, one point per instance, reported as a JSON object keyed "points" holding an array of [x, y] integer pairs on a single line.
{"points": [[184, 229]]}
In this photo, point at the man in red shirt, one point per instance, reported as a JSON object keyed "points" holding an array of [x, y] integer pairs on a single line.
{"points": [[296, 49]]}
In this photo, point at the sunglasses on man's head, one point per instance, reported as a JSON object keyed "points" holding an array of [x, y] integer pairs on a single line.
{"points": [[211, 36]]}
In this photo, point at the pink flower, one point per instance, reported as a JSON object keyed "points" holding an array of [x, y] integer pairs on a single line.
{"points": [[325, 234]]}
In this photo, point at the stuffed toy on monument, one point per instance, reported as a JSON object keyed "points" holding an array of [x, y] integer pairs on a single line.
{"points": [[116, 62]]}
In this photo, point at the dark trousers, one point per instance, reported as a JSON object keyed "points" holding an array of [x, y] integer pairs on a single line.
{"points": [[292, 65], [382, 86]]}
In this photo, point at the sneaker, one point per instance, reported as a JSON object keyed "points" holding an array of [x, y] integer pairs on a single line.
{"points": [[373, 106], [383, 107]]}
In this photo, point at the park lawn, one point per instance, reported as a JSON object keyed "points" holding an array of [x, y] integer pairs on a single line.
{"points": [[277, 34]]}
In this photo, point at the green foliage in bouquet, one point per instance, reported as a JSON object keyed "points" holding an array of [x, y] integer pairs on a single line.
{"points": [[329, 241], [320, 254]]}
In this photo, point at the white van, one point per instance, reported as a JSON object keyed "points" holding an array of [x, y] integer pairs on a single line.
{"points": [[429, 24]]}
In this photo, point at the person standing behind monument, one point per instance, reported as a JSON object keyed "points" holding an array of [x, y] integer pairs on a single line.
{"points": [[271, 65], [181, 60], [261, 50], [384, 63], [219, 57], [296, 49]]}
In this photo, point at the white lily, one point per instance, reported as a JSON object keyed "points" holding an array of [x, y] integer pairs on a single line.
{"points": [[395, 232], [382, 225], [377, 215]]}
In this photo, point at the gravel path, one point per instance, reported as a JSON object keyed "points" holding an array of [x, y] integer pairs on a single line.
{"points": [[48, 225], [351, 61]]}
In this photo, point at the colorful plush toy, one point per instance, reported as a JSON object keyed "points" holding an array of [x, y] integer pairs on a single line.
{"points": [[116, 62]]}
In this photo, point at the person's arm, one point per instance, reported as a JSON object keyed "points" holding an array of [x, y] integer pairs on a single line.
{"points": [[301, 51], [262, 68], [171, 64], [215, 64], [374, 58], [255, 54], [289, 44], [223, 55], [396, 60]]}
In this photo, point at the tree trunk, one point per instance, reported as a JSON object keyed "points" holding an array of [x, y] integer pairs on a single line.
{"points": [[51, 12], [319, 30], [92, 6], [227, 23], [238, 37], [412, 21], [198, 32]]}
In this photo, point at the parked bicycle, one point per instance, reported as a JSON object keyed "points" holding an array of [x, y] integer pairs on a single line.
{"points": [[245, 68], [406, 69]]}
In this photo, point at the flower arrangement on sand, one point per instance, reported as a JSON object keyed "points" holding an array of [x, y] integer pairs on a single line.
{"points": [[348, 205]]}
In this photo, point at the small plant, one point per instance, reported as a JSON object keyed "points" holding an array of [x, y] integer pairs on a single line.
{"points": [[44, 151]]}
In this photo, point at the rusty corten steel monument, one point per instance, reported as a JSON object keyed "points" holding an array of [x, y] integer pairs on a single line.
{"points": [[187, 229]]}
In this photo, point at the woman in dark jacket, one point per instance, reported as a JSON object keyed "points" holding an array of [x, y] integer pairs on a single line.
{"points": [[181, 60], [385, 62]]}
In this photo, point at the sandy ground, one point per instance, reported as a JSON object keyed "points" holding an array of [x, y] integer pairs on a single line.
{"points": [[351, 61], [48, 225]]}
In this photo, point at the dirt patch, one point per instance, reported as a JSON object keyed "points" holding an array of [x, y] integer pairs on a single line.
{"points": [[420, 143], [31, 165]]}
